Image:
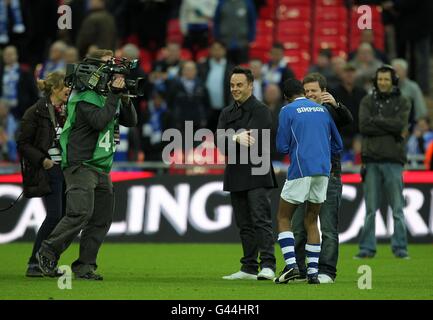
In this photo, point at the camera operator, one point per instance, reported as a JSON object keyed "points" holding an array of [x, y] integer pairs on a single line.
{"points": [[88, 144], [38, 144]]}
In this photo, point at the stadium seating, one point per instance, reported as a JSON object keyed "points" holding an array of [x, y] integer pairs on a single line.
{"points": [[302, 26]]}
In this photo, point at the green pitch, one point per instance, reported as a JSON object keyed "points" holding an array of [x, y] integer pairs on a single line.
{"points": [[193, 271]]}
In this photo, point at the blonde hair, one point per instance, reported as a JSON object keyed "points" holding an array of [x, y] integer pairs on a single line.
{"points": [[54, 80]]}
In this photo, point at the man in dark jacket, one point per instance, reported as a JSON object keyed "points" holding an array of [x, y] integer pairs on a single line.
{"points": [[383, 122], [188, 98], [98, 28], [249, 189]]}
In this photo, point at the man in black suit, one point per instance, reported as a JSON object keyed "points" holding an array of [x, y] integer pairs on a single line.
{"points": [[249, 185]]}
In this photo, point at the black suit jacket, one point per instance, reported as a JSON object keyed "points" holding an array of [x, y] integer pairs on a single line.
{"points": [[252, 114]]}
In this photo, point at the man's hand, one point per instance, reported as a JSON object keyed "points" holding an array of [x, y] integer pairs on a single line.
{"points": [[118, 84], [329, 99], [245, 139], [48, 163]]}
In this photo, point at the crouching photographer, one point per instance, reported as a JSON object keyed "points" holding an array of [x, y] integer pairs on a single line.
{"points": [[99, 104], [38, 144]]}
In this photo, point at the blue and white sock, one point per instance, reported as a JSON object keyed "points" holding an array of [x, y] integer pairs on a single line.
{"points": [[287, 244], [313, 252]]}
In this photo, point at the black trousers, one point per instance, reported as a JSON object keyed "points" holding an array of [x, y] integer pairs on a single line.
{"points": [[252, 211], [55, 206], [89, 209]]}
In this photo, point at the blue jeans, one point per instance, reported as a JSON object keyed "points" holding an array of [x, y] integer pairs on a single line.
{"points": [[328, 226], [383, 178]]}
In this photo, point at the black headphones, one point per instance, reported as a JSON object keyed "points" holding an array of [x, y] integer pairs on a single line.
{"points": [[386, 68]]}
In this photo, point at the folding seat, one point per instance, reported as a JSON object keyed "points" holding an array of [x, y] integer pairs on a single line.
{"points": [[331, 14], [330, 28], [293, 27], [299, 13], [330, 3], [296, 2]]}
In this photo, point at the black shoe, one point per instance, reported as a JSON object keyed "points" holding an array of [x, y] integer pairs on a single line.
{"points": [[46, 265], [89, 276], [286, 275], [301, 278], [33, 271], [313, 279]]}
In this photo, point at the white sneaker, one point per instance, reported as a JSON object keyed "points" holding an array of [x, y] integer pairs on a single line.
{"points": [[324, 278], [266, 274], [240, 275]]}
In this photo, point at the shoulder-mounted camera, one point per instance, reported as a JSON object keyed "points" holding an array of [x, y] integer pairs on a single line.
{"points": [[95, 74]]}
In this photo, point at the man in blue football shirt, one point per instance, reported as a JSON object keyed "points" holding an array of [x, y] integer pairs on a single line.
{"points": [[308, 134]]}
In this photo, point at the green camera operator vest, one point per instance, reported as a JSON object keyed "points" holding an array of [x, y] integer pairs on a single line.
{"points": [[102, 158]]}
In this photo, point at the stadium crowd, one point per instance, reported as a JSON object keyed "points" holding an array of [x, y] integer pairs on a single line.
{"points": [[186, 51]]}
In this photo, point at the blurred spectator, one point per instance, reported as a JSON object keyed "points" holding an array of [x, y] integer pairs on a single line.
{"points": [[80, 10], [414, 25], [410, 89], [149, 18], [8, 128], [215, 72], [277, 69], [18, 23], [119, 10], [98, 28], [350, 95], [256, 67], [352, 156], [71, 55], [40, 19], [337, 65], [367, 36], [235, 26], [188, 98], [55, 62], [131, 52], [17, 86], [195, 17], [274, 100], [169, 66], [154, 121], [366, 65], [421, 137], [323, 64]]}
